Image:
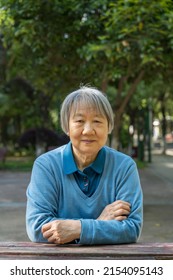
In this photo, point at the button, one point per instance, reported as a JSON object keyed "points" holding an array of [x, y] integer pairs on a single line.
{"points": [[86, 181]]}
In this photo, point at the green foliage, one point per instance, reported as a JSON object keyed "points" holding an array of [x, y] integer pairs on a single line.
{"points": [[136, 34], [54, 46]]}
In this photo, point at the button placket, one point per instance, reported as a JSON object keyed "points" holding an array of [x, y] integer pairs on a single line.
{"points": [[86, 181]]}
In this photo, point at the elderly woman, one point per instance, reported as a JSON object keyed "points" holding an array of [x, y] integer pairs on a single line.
{"points": [[85, 191]]}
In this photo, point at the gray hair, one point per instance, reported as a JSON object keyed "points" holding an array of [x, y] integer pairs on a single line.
{"points": [[89, 97]]}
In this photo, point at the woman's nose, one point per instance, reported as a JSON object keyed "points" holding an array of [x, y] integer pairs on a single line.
{"points": [[88, 128]]}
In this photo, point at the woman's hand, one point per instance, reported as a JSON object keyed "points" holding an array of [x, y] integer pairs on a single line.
{"points": [[118, 210], [62, 231]]}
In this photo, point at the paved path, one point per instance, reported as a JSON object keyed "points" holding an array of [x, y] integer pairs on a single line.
{"points": [[157, 184], [12, 205]]}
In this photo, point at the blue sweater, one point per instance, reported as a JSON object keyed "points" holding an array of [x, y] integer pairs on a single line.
{"points": [[53, 195]]}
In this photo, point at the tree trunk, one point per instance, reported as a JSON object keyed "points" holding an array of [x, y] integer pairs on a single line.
{"points": [[2, 63], [164, 128], [121, 105]]}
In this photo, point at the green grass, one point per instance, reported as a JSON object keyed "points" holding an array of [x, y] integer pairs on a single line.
{"points": [[141, 164], [17, 164], [25, 164]]}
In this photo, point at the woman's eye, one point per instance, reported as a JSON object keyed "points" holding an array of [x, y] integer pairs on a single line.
{"points": [[79, 121]]}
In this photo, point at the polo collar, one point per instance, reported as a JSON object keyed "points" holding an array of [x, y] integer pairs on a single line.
{"points": [[69, 164]]}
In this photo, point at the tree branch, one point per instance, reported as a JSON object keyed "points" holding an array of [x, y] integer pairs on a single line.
{"points": [[130, 92]]}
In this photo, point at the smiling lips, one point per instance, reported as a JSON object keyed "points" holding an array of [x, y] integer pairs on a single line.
{"points": [[88, 141]]}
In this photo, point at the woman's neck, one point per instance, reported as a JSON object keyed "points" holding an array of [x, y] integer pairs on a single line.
{"points": [[82, 160]]}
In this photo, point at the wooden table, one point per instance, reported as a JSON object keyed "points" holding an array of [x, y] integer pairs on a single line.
{"points": [[36, 251]]}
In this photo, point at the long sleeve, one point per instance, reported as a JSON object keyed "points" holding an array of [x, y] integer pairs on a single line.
{"points": [[115, 232], [41, 201]]}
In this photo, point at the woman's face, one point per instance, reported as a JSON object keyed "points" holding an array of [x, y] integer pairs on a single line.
{"points": [[88, 131]]}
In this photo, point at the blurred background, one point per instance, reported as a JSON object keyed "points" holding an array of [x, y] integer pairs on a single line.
{"points": [[49, 48]]}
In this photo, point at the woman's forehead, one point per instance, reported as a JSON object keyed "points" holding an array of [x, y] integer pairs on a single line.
{"points": [[81, 109]]}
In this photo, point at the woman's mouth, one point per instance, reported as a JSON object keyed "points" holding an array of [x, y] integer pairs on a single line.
{"points": [[88, 141]]}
